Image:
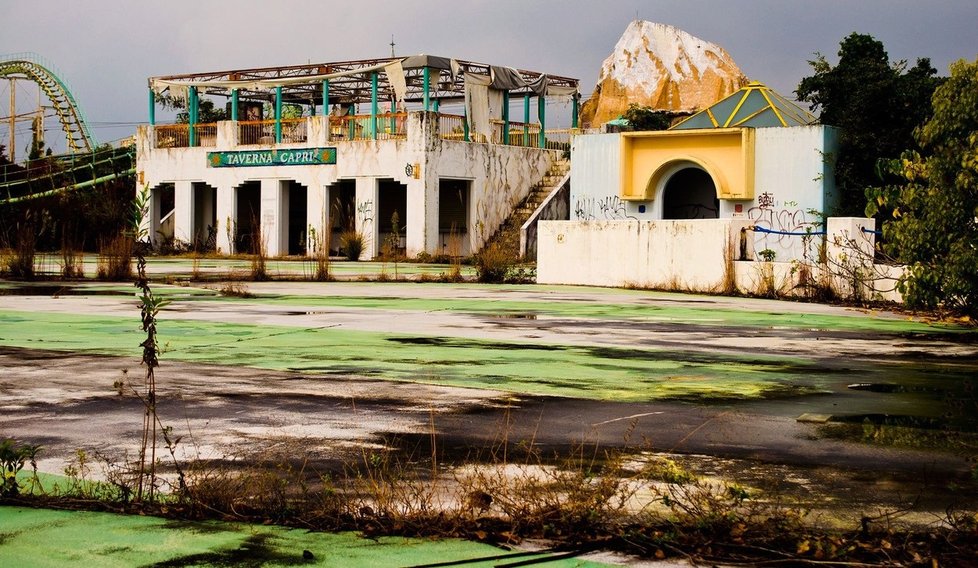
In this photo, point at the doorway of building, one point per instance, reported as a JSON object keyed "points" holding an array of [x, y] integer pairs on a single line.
{"points": [[204, 232], [246, 227], [161, 226], [391, 217], [453, 216], [342, 205], [297, 197], [690, 194]]}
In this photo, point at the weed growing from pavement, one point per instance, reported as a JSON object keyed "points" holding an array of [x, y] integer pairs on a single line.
{"points": [[628, 499]]}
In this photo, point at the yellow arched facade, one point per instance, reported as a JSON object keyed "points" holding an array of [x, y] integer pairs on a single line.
{"points": [[649, 158]]}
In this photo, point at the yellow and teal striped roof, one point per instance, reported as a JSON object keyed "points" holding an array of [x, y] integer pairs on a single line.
{"points": [[753, 106]]}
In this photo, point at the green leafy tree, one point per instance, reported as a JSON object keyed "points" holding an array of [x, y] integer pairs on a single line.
{"points": [[876, 104], [934, 231], [207, 113], [646, 118]]}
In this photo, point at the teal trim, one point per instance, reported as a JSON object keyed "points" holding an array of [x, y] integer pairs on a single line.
{"points": [[542, 115], [505, 117], [575, 109], [278, 114], [373, 105], [192, 117], [234, 104], [152, 108], [526, 120], [427, 86], [325, 97]]}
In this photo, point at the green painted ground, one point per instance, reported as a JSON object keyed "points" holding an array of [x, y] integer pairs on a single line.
{"points": [[589, 372], [42, 538], [608, 373]]}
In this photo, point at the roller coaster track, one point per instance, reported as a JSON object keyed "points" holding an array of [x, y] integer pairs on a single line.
{"points": [[86, 164], [58, 174], [78, 136]]}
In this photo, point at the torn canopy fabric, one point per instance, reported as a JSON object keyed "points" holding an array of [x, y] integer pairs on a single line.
{"points": [[395, 77], [477, 106]]}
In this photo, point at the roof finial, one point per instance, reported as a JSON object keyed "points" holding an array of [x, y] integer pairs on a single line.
{"points": [[392, 45]]}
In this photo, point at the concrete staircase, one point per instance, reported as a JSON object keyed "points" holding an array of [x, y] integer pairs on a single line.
{"points": [[507, 237]]}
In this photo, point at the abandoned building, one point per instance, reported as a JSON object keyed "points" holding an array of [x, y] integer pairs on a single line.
{"points": [[671, 208], [310, 151]]}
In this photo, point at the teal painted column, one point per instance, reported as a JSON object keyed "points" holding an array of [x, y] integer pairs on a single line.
{"points": [[427, 85], [326, 96], [192, 117], [542, 115], [352, 122], [278, 114], [575, 109], [373, 106], [234, 104], [505, 117], [526, 121], [437, 106], [465, 124], [152, 108]]}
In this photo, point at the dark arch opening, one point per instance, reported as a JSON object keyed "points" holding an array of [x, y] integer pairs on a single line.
{"points": [[690, 194]]}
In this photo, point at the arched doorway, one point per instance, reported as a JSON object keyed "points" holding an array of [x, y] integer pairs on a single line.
{"points": [[690, 193]]}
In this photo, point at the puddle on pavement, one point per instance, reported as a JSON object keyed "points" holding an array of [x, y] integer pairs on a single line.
{"points": [[514, 316], [888, 388], [57, 290]]}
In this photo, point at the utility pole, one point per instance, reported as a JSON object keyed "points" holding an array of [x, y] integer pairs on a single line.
{"points": [[13, 120]]}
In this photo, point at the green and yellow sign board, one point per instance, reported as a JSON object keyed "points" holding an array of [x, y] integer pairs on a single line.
{"points": [[282, 157]]}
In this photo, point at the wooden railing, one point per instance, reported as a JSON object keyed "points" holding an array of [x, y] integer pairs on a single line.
{"points": [[172, 135], [255, 132], [389, 126], [206, 135], [451, 127], [294, 130]]}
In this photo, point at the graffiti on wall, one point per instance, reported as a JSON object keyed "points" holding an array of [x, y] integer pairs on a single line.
{"points": [[784, 217], [365, 212], [592, 208]]}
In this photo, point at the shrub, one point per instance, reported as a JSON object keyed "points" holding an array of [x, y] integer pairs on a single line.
{"points": [[492, 264], [352, 244]]}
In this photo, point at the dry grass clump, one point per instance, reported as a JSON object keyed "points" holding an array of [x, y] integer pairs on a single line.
{"points": [[638, 502], [115, 258]]}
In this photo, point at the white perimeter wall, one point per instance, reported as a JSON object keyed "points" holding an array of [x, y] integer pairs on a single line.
{"points": [[681, 255], [702, 255]]}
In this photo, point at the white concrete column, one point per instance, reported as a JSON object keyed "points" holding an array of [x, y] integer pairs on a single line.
{"points": [[367, 202], [317, 218], [227, 135], [150, 224], [183, 212], [850, 250], [419, 217], [274, 217], [318, 133], [227, 212]]}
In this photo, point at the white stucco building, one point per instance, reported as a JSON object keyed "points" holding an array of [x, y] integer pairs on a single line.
{"points": [[292, 184]]}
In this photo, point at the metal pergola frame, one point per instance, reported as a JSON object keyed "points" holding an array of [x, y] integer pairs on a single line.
{"points": [[356, 87]]}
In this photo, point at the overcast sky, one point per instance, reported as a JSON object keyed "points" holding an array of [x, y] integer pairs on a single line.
{"points": [[105, 49]]}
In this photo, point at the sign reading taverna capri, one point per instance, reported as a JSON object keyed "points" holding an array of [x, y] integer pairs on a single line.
{"points": [[283, 157]]}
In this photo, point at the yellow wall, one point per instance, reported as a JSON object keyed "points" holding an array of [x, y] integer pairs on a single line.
{"points": [[727, 154]]}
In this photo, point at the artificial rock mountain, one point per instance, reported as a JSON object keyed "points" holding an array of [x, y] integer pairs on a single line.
{"points": [[662, 67]]}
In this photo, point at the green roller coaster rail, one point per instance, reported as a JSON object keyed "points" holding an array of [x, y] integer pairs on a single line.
{"points": [[85, 165], [58, 174], [79, 137]]}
